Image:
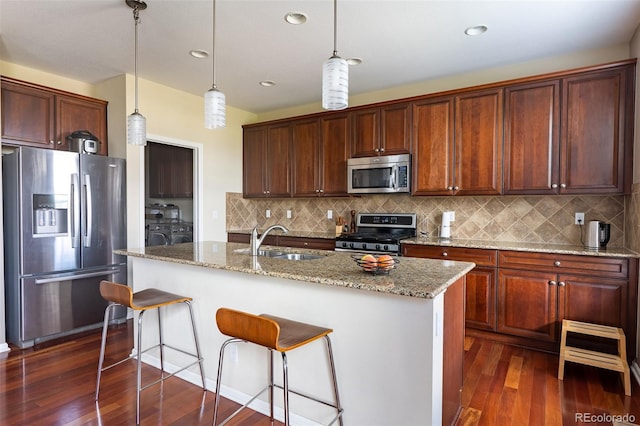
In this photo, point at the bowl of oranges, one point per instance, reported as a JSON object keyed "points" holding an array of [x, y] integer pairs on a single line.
{"points": [[375, 265]]}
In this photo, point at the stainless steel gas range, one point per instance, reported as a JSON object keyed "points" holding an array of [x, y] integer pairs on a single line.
{"points": [[378, 233]]}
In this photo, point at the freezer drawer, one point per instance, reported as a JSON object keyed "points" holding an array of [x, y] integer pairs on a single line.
{"points": [[56, 305]]}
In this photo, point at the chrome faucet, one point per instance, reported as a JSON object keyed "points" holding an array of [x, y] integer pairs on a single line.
{"points": [[256, 241]]}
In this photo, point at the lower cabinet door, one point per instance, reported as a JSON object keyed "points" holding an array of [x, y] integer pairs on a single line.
{"points": [[480, 306], [527, 304], [593, 299]]}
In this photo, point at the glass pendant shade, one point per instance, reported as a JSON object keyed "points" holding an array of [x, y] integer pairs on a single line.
{"points": [[335, 83], [136, 129], [214, 109]]}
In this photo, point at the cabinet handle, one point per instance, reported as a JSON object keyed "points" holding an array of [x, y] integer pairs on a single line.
{"points": [[445, 254], [306, 244], [552, 283], [554, 185], [561, 284], [321, 190], [456, 187], [59, 143], [450, 188], [381, 149], [377, 150], [563, 185], [51, 142], [556, 263]]}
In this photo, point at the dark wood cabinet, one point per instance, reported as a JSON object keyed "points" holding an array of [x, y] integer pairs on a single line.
{"points": [[527, 303], [34, 115], [536, 291], [532, 138], [596, 110], [320, 150], [266, 161], [588, 153], [170, 171], [480, 294], [382, 130], [457, 144]]}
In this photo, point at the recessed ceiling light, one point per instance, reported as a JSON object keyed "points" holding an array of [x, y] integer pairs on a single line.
{"points": [[200, 54], [476, 30], [354, 61], [295, 18], [267, 83]]}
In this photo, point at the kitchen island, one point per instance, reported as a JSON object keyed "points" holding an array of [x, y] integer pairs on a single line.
{"points": [[396, 338]]}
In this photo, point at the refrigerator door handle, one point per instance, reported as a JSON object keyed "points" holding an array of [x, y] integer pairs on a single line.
{"points": [[75, 215], [59, 278], [88, 213]]}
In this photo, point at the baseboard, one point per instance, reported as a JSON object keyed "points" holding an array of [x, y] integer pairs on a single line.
{"points": [[229, 393], [4, 347]]}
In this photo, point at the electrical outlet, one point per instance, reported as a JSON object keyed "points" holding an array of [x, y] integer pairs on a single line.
{"points": [[579, 219], [329, 214], [267, 214], [288, 214]]}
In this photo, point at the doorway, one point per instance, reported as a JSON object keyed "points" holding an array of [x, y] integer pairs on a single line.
{"points": [[170, 215]]}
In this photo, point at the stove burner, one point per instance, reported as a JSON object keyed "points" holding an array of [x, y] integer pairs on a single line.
{"points": [[378, 233]]}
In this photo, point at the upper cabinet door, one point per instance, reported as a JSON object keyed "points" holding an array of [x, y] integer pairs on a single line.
{"points": [[531, 138], [254, 144], [80, 114], [381, 131], [365, 132], [395, 129], [592, 156], [27, 115], [278, 161], [305, 151], [335, 152], [432, 160], [478, 143]]}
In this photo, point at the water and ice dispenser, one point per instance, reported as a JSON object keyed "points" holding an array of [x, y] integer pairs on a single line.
{"points": [[50, 212]]}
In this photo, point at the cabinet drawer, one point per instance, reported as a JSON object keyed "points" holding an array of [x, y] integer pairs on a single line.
{"points": [[591, 265], [481, 257]]}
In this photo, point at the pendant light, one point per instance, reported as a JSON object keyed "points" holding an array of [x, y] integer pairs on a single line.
{"points": [[136, 123], [214, 100], [335, 74]]}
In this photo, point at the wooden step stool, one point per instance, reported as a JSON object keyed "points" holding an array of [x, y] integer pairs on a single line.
{"points": [[593, 358]]}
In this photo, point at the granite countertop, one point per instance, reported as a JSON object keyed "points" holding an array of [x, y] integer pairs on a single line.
{"points": [[518, 246], [300, 234], [421, 278]]}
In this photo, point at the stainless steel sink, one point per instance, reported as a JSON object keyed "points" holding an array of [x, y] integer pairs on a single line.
{"points": [[270, 253], [298, 256]]}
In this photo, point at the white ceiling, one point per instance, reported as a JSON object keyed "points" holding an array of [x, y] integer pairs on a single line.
{"points": [[399, 41]]}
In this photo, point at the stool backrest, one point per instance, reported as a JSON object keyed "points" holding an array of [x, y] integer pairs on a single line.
{"points": [[117, 293], [252, 328]]}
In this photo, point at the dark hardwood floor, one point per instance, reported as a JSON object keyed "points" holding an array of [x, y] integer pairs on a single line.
{"points": [[54, 384]]}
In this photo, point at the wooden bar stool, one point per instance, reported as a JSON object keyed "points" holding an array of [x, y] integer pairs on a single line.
{"points": [[275, 334], [118, 294], [594, 358]]}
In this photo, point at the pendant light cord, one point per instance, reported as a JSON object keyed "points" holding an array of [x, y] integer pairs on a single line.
{"points": [[213, 48], [335, 27], [136, 19]]}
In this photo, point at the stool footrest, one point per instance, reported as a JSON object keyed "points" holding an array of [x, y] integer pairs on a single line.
{"points": [[594, 359]]}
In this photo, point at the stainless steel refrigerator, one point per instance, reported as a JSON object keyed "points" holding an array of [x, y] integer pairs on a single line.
{"points": [[64, 214]]}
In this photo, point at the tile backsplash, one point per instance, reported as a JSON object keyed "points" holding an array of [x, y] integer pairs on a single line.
{"points": [[532, 219]]}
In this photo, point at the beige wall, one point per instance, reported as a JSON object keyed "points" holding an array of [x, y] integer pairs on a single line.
{"points": [[491, 75]]}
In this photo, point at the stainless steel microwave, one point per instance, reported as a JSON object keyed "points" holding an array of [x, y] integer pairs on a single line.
{"points": [[377, 175]]}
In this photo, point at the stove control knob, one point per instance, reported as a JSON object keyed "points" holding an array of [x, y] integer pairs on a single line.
{"points": [[386, 247], [350, 245], [364, 246], [344, 244], [377, 246]]}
